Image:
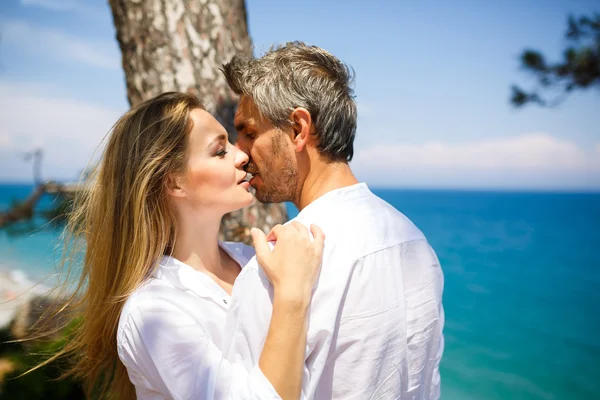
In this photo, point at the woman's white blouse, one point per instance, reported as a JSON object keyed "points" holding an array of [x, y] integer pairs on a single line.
{"points": [[170, 332]]}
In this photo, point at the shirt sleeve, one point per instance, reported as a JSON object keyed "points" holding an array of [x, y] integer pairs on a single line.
{"points": [[165, 350]]}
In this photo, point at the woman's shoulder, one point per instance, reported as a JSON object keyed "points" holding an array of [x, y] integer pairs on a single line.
{"points": [[240, 252], [152, 297], [147, 313], [149, 292]]}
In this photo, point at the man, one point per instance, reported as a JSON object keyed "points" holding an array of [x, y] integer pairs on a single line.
{"points": [[376, 317]]}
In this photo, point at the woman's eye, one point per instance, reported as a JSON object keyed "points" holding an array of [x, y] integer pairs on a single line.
{"points": [[251, 135], [221, 153]]}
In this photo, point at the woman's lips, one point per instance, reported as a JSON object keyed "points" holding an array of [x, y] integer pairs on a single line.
{"points": [[245, 185]]}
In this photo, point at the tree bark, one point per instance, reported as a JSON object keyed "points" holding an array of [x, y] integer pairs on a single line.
{"points": [[24, 210], [179, 45]]}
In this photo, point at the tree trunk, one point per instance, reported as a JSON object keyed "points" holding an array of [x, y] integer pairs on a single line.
{"points": [[24, 210], [179, 45]]}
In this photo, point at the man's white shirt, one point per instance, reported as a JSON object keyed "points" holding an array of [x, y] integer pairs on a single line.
{"points": [[376, 317]]}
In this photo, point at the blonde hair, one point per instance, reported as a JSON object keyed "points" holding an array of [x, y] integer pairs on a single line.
{"points": [[126, 223]]}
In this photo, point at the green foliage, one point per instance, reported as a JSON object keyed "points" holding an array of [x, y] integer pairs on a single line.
{"points": [[42, 383], [579, 69]]}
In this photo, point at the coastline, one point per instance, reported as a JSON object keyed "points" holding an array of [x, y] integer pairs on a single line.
{"points": [[514, 263], [16, 290]]}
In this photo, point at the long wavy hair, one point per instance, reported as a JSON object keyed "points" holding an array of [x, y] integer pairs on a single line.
{"points": [[121, 225]]}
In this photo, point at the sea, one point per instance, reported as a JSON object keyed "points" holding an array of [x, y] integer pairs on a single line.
{"points": [[521, 295]]}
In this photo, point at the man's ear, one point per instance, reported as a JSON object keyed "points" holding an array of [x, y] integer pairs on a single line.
{"points": [[302, 127], [174, 187]]}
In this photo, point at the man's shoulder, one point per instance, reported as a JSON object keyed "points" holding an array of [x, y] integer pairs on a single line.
{"points": [[366, 220], [395, 224]]}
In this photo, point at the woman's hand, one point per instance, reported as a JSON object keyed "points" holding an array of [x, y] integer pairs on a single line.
{"points": [[294, 263], [292, 267]]}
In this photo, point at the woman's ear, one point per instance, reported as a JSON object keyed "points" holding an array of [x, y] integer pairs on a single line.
{"points": [[302, 127], [173, 185]]}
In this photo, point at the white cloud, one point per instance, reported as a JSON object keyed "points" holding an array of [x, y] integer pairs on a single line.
{"points": [[534, 159], [4, 140], [535, 150], [68, 130], [60, 46]]}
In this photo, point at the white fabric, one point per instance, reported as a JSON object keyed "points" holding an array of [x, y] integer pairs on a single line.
{"points": [[170, 333], [376, 317]]}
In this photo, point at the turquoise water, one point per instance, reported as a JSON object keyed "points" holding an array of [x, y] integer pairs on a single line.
{"points": [[522, 287], [28, 246]]}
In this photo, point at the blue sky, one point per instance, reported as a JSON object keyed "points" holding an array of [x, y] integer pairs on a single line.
{"points": [[432, 84]]}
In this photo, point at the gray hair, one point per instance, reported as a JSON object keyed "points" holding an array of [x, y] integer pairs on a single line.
{"points": [[298, 75]]}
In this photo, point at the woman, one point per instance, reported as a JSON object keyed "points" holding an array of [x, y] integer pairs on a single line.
{"points": [[156, 281]]}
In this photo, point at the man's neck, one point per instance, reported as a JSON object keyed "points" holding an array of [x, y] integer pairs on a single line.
{"points": [[323, 178]]}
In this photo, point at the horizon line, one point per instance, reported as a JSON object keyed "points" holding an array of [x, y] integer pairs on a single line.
{"points": [[507, 189]]}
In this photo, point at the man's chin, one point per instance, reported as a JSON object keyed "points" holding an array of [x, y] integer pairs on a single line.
{"points": [[266, 192], [268, 197], [261, 196]]}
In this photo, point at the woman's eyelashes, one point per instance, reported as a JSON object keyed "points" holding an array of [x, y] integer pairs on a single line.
{"points": [[221, 152]]}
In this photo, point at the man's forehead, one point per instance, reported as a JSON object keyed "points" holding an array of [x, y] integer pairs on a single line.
{"points": [[246, 113], [242, 121]]}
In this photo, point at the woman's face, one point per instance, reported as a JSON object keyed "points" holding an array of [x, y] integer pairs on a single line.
{"points": [[214, 178]]}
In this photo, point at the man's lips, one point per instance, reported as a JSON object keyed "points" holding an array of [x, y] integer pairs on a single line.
{"points": [[252, 173], [253, 180], [251, 168]]}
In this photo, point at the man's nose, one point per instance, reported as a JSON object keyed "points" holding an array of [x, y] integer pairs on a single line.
{"points": [[239, 145]]}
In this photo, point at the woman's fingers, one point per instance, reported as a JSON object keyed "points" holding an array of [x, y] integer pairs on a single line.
{"points": [[300, 229], [318, 239], [293, 226], [272, 236], [294, 263], [260, 245]]}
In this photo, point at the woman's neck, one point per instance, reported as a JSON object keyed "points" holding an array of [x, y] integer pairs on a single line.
{"points": [[197, 245], [196, 242]]}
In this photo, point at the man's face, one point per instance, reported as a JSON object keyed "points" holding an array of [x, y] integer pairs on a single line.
{"points": [[271, 152]]}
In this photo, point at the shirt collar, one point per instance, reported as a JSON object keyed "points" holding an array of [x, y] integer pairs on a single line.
{"points": [[337, 196], [184, 277]]}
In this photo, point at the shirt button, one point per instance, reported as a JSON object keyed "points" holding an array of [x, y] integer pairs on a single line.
{"points": [[225, 301]]}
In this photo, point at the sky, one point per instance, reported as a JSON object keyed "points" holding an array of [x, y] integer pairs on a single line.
{"points": [[432, 86]]}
